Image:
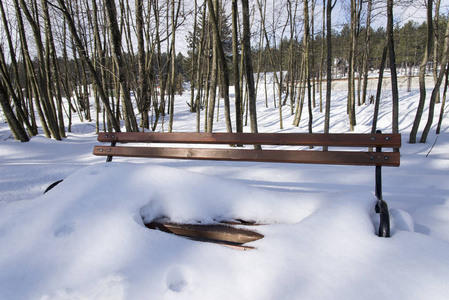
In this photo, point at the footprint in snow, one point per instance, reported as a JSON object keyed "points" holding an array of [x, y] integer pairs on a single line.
{"points": [[178, 280], [64, 230]]}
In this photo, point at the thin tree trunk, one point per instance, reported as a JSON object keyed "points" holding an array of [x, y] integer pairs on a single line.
{"points": [[323, 39], [249, 69], [394, 76], [379, 88], [174, 18], [142, 91], [46, 99], [435, 47], [351, 69], [328, 66], [306, 62], [16, 127], [443, 102], [52, 66], [422, 71], [366, 51], [83, 53], [193, 65], [273, 65], [18, 99], [436, 89], [235, 60], [128, 113], [222, 61]]}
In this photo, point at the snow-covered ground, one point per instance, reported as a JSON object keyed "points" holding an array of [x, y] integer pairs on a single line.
{"points": [[85, 239]]}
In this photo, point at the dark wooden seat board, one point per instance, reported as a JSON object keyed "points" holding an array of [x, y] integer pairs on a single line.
{"points": [[234, 154], [217, 233]]}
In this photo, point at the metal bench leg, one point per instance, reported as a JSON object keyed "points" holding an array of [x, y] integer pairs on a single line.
{"points": [[381, 206], [384, 226], [109, 157]]}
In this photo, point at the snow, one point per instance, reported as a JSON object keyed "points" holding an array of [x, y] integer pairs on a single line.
{"points": [[85, 239]]}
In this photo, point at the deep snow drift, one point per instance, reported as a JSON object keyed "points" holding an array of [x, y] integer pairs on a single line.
{"points": [[85, 239]]}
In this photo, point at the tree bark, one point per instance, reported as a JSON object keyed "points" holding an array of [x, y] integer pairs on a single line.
{"points": [[394, 76], [236, 62], [249, 67], [367, 51], [115, 36], [436, 89], [17, 129], [84, 56], [142, 91], [422, 73], [328, 66], [222, 61], [379, 89]]}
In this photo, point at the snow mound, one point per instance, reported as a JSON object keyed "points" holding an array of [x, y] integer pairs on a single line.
{"points": [[85, 239]]}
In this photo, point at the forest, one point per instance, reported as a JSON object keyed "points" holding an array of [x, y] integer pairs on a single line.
{"points": [[122, 62]]}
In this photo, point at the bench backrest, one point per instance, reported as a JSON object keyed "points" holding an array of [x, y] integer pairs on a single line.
{"points": [[355, 156]]}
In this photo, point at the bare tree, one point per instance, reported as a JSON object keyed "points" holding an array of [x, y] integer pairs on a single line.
{"points": [[128, 113], [45, 83], [235, 60], [143, 94], [436, 89], [84, 56], [394, 77], [366, 50], [222, 61], [422, 73], [436, 37], [249, 67], [329, 8], [16, 127]]}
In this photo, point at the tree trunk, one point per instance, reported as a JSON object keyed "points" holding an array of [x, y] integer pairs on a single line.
{"points": [[53, 69], [128, 113], [18, 99], [83, 53], [30, 71], [443, 103], [249, 69], [435, 47], [328, 67], [394, 76], [46, 99], [307, 63], [436, 89], [142, 90], [379, 89], [351, 70], [236, 62], [367, 50], [16, 127], [422, 73], [222, 61]]}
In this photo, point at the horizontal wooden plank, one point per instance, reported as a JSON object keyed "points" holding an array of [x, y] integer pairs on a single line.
{"points": [[298, 139], [279, 156], [215, 232]]}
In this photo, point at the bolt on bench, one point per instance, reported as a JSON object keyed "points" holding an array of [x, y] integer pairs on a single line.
{"points": [[349, 153]]}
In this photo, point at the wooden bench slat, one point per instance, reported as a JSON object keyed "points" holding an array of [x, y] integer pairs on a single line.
{"points": [[296, 139], [281, 156], [218, 232]]}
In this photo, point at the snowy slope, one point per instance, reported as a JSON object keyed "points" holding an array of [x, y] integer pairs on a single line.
{"points": [[85, 239]]}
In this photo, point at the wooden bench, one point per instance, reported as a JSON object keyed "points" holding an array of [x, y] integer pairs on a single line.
{"points": [[344, 149]]}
